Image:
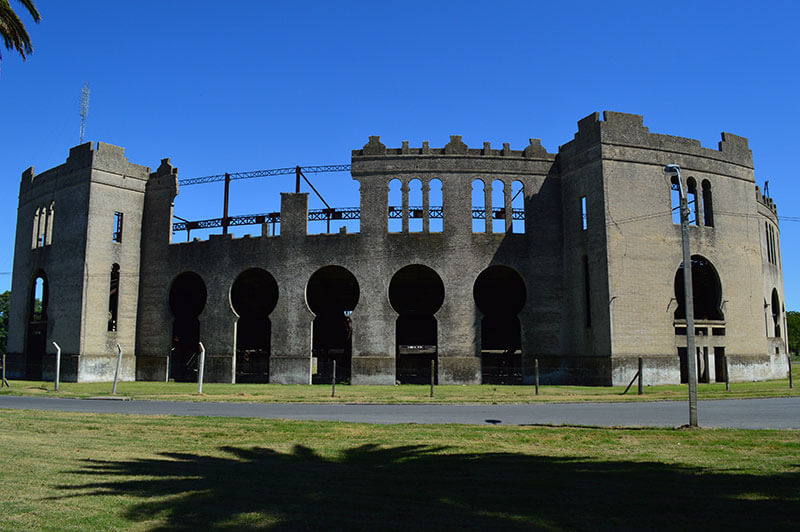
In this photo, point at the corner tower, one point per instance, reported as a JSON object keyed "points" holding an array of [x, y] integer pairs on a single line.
{"points": [[76, 266]]}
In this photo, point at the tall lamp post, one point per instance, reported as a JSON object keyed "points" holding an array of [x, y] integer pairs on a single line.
{"points": [[673, 170]]}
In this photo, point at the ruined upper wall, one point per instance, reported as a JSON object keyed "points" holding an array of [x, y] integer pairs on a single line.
{"points": [[102, 156], [628, 130], [455, 157], [768, 204]]}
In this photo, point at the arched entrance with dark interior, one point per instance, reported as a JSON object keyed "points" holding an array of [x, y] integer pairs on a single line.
{"points": [[500, 294], [36, 342], [254, 295], [187, 299], [416, 292], [707, 299], [332, 294]]}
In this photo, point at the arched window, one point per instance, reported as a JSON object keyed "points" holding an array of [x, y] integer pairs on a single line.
{"points": [[35, 232], [415, 210], [480, 222], [498, 207], [395, 206], [436, 206], [587, 293], [113, 298], [706, 290], [518, 206], [675, 195], [776, 313], [36, 341], [768, 241], [691, 198], [708, 205], [38, 303]]}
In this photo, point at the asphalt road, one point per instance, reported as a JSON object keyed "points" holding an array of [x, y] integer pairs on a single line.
{"points": [[773, 413]]}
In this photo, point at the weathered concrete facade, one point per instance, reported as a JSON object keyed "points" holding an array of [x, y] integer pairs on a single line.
{"points": [[586, 283]]}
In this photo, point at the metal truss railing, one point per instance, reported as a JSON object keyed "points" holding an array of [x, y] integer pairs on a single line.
{"points": [[265, 173], [326, 215]]}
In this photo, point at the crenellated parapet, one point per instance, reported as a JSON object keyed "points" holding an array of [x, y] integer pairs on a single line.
{"points": [[454, 158], [456, 146], [628, 135], [767, 202]]}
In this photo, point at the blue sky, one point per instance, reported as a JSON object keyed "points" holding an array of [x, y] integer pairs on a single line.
{"points": [[251, 85]]}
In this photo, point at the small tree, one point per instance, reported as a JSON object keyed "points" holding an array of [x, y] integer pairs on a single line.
{"points": [[5, 300], [793, 323]]}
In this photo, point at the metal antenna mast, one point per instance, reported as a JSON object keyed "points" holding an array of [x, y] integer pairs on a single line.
{"points": [[84, 109]]}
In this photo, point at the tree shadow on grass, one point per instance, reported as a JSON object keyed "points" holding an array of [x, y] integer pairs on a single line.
{"points": [[424, 488]]}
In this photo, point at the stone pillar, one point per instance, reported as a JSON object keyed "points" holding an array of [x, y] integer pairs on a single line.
{"points": [[459, 332], [290, 357], [507, 195], [374, 207], [294, 214], [457, 199], [426, 206], [487, 210], [404, 189]]}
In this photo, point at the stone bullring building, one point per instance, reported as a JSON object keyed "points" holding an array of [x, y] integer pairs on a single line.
{"points": [[473, 263]]}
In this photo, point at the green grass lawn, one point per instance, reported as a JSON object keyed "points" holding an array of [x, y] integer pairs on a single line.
{"points": [[401, 394], [65, 471]]}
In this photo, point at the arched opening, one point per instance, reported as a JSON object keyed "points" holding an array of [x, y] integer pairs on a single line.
{"points": [[706, 289], [479, 206], [415, 206], [436, 208], [416, 292], [332, 295], [187, 298], [113, 298], [691, 199], [518, 206], [708, 204], [776, 313], [395, 209], [498, 207], [675, 196], [254, 295], [36, 343], [500, 294]]}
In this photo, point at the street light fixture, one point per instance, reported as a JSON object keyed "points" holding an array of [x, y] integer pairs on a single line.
{"points": [[673, 170]]}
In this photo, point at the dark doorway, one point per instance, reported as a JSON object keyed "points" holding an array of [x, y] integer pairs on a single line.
{"points": [[500, 294], [720, 365], [706, 290], [36, 342], [416, 292], [700, 364], [187, 298], [254, 295], [332, 294]]}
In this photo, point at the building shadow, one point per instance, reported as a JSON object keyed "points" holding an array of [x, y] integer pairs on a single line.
{"points": [[427, 488]]}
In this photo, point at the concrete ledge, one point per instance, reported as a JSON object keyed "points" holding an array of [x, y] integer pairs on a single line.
{"points": [[373, 370], [656, 369], [290, 370], [459, 370]]}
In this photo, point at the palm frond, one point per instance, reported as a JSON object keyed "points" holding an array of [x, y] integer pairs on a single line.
{"points": [[15, 35], [29, 5]]}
